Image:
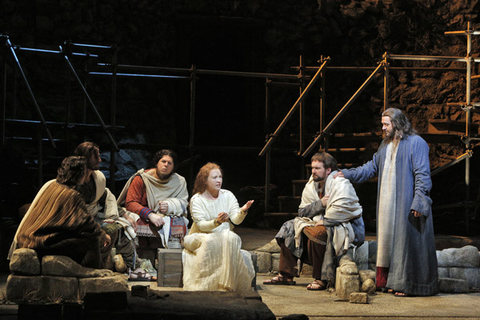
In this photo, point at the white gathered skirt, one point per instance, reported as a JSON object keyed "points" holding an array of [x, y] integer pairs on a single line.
{"points": [[216, 262]]}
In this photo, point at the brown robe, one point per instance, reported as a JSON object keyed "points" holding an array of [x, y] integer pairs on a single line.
{"points": [[58, 224]]}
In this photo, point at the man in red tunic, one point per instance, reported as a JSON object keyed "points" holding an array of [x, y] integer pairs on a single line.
{"points": [[158, 198]]}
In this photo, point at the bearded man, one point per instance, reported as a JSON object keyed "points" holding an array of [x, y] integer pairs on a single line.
{"points": [[406, 256], [158, 199], [330, 222]]}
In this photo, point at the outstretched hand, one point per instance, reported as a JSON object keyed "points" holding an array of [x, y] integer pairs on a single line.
{"points": [[247, 205]]}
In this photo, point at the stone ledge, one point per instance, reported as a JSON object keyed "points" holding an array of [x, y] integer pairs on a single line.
{"points": [[42, 289], [455, 263], [58, 279], [449, 285], [466, 257]]}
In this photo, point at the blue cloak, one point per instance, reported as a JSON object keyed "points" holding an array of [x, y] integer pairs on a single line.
{"points": [[413, 266]]}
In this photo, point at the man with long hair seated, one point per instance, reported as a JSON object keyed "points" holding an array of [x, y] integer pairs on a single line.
{"points": [[57, 222]]}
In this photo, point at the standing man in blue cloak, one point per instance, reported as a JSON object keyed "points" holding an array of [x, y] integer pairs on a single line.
{"points": [[406, 256]]}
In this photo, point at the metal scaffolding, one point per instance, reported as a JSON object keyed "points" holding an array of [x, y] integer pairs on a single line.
{"points": [[303, 81], [42, 124], [468, 106]]}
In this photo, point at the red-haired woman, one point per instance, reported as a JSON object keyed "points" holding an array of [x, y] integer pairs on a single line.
{"points": [[213, 259]]}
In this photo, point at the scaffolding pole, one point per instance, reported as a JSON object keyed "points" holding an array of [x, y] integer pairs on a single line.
{"points": [[294, 108], [92, 104], [343, 110], [30, 91]]}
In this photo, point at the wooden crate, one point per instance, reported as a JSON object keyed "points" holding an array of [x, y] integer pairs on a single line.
{"points": [[170, 268]]}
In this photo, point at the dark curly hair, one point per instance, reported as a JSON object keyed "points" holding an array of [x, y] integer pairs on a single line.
{"points": [[71, 170], [165, 152]]}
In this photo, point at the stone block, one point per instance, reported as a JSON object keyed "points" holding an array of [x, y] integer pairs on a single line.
{"points": [[368, 286], [348, 268], [471, 275], [361, 256], [345, 284], [43, 289], [22, 288], [366, 274], [271, 247], [450, 285], [443, 272], [466, 257], [25, 262], [63, 266], [117, 283], [359, 297], [275, 262], [346, 259], [264, 261]]}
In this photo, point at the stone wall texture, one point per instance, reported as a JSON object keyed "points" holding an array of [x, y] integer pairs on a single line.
{"points": [[252, 36]]}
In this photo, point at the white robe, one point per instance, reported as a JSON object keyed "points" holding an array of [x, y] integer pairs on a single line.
{"points": [[109, 213], [342, 206], [212, 258]]}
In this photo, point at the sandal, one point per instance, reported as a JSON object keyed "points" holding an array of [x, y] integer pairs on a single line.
{"points": [[401, 294], [280, 280], [141, 275], [317, 285]]}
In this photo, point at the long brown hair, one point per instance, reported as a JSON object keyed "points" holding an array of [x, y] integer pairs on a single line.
{"points": [[86, 149], [71, 171], [201, 180], [400, 123]]}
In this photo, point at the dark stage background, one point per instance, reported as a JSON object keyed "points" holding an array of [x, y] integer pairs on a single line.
{"points": [[230, 123]]}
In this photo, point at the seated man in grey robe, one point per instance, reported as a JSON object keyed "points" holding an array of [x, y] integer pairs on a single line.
{"points": [[329, 223]]}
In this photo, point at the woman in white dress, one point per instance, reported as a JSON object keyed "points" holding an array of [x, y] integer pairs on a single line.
{"points": [[212, 258]]}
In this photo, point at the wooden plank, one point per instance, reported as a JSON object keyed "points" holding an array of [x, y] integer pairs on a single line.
{"points": [[170, 268]]}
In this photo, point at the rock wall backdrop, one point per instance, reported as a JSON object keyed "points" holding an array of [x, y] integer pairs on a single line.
{"points": [[259, 36]]}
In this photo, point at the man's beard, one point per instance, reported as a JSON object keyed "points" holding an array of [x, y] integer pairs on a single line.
{"points": [[163, 177], [318, 178], [390, 137]]}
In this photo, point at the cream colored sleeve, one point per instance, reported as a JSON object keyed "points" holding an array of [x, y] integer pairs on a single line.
{"points": [[236, 214], [200, 216]]}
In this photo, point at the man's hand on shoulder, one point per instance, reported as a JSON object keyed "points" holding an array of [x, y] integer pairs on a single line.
{"points": [[338, 174]]}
